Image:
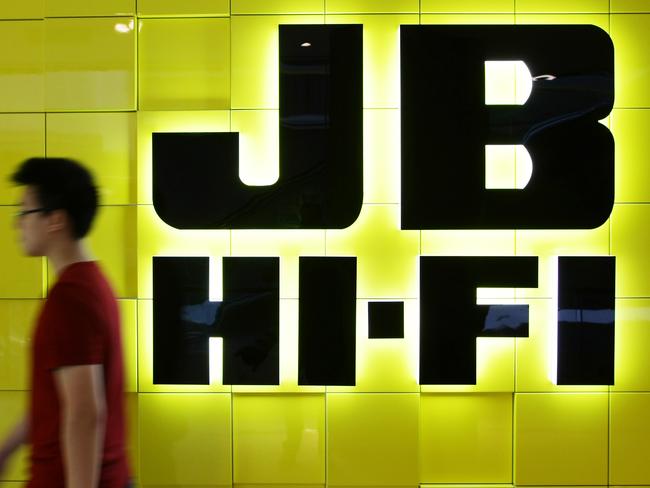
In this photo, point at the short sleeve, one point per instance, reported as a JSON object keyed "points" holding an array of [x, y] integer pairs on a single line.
{"points": [[74, 333]]}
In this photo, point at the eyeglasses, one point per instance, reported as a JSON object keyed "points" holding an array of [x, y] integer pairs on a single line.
{"points": [[22, 213]]}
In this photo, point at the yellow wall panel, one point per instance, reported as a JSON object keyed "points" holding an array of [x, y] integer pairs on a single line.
{"points": [[468, 242], [132, 434], [630, 6], [90, 64], [630, 244], [279, 439], [630, 439], [467, 6], [478, 19], [185, 7], [630, 127], [381, 70], [22, 136], [374, 236], [27, 9], [562, 6], [254, 75], [632, 61], [631, 345], [17, 318], [381, 156], [567, 431], [277, 7], [371, 6], [22, 276], [13, 405], [466, 438], [372, 439], [105, 143], [599, 20], [88, 8], [129, 318], [184, 64], [259, 145], [185, 439], [22, 70]]}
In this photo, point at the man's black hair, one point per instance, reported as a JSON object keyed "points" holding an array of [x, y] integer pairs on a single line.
{"points": [[62, 184]]}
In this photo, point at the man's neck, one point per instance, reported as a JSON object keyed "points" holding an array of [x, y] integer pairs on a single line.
{"points": [[64, 253]]}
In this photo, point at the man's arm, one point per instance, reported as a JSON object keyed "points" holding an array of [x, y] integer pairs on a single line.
{"points": [[83, 418], [16, 438]]}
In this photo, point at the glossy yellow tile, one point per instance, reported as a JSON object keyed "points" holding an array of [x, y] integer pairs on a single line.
{"points": [[631, 63], [629, 127], [630, 439], [277, 7], [631, 345], [386, 365], [150, 122], [630, 6], [22, 136], [467, 6], [381, 156], [381, 68], [18, 319], [90, 64], [13, 405], [259, 145], [548, 244], [466, 438], [22, 72], [371, 7], [145, 359], [27, 9], [630, 244], [565, 430], [184, 64], [254, 58], [372, 449], [279, 439], [480, 19], [599, 20], [105, 143], [289, 245], [22, 276], [386, 255], [89, 8], [186, 7], [560, 6], [185, 439], [129, 317]]}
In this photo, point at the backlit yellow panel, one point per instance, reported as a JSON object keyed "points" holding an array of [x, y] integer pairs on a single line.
{"points": [[599, 20], [87, 8], [466, 438], [184, 64], [630, 439], [145, 359], [566, 431], [628, 6], [630, 244], [631, 345], [630, 128], [21, 67], [371, 6], [289, 245], [562, 6], [381, 156], [22, 276], [254, 58], [129, 317], [279, 439], [150, 122], [259, 145], [500, 166], [185, 439], [381, 66], [468, 242], [22, 136], [17, 318], [90, 64], [27, 9], [547, 244], [467, 6], [372, 439], [185, 7], [132, 434], [386, 365], [467, 19], [537, 354], [277, 7], [386, 255], [632, 61], [13, 405], [103, 142]]}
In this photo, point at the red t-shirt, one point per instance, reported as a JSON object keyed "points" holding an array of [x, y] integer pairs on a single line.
{"points": [[78, 324]]}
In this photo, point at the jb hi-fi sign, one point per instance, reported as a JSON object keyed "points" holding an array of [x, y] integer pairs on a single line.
{"points": [[445, 127]]}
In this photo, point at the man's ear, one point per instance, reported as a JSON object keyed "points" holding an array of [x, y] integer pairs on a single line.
{"points": [[57, 221]]}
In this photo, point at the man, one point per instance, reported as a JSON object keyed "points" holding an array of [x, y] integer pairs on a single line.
{"points": [[76, 421]]}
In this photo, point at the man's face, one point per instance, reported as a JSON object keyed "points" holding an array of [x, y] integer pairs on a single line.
{"points": [[33, 225]]}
